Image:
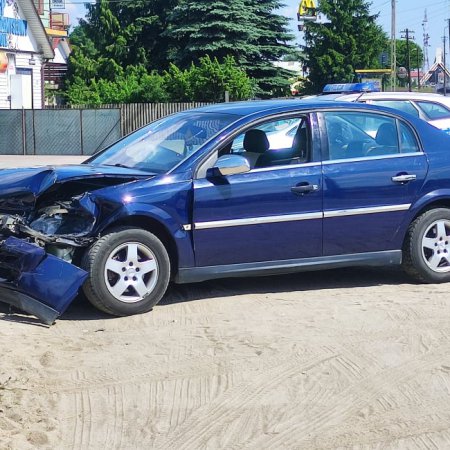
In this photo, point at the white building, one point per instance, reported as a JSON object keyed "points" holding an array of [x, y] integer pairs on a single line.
{"points": [[24, 47]]}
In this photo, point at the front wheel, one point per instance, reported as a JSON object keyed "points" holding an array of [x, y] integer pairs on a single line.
{"points": [[129, 270], [426, 253]]}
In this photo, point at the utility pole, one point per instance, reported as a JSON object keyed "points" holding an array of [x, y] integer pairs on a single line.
{"points": [[418, 69], [393, 48], [445, 67], [407, 36], [426, 42]]}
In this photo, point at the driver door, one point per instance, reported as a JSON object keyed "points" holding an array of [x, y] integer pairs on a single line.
{"points": [[271, 213]]}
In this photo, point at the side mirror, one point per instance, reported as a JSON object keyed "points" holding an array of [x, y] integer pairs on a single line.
{"points": [[228, 165]]}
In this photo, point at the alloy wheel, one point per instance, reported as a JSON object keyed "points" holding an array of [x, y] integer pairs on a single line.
{"points": [[131, 272], [436, 246]]}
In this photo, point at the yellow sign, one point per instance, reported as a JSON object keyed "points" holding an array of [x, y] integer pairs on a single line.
{"points": [[307, 8]]}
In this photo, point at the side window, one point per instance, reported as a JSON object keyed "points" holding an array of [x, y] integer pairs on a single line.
{"points": [[360, 135], [434, 111], [404, 106], [408, 142], [274, 143], [280, 134]]}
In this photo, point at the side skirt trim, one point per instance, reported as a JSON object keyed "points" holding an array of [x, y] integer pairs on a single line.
{"points": [[195, 274]]}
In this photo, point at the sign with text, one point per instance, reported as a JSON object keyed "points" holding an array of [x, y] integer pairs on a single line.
{"points": [[58, 4]]}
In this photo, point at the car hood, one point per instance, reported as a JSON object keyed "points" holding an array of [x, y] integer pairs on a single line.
{"points": [[19, 188]]}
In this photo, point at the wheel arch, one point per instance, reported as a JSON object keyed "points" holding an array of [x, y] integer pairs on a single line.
{"points": [[434, 204], [155, 227], [443, 201]]}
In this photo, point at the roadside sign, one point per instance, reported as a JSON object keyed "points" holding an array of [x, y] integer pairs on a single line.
{"points": [[58, 4], [402, 72]]}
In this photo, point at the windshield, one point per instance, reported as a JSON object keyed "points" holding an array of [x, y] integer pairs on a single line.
{"points": [[163, 144]]}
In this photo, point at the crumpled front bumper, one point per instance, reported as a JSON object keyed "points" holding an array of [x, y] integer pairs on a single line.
{"points": [[36, 282]]}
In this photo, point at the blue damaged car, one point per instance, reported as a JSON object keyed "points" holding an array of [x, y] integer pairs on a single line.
{"points": [[204, 194]]}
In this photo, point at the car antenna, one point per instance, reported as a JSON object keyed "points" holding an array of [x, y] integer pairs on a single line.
{"points": [[359, 96]]}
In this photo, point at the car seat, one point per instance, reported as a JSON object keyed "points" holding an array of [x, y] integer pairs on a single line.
{"points": [[386, 139], [297, 153], [255, 144]]}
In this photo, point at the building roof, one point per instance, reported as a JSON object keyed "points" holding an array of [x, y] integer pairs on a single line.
{"points": [[36, 27], [437, 66]]}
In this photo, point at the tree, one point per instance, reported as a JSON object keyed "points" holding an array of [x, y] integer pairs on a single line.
{"points": [[122, 35], [119, 34], [217, 29], [347, 40], [249, 30], [116, 51], [273, 44], [402, 54], [207, 81]]}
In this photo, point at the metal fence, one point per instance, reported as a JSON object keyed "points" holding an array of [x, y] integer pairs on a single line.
{"points": [[57, 132], [80, 131], [136, 115]]}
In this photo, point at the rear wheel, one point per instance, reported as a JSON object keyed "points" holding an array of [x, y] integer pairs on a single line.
{"points": [[129, 270], [426, 253]]}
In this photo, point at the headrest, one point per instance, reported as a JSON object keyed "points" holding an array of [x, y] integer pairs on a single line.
{"points": [[256, 141], [387, 135]]}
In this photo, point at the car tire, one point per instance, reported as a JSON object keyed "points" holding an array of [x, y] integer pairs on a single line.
{"points": [[426, 252], [129, 270]]}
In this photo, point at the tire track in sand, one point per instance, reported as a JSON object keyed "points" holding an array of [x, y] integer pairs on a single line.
{"points": [[293, 432], [195, 430]]}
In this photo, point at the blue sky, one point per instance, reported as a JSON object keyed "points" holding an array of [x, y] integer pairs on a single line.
{"points": [[410, 14]]}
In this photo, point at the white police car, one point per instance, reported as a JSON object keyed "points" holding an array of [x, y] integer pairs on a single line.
{"points": [[434, 108]]}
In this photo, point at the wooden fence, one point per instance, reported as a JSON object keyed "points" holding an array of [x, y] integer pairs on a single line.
{"points": [[136, 115]]}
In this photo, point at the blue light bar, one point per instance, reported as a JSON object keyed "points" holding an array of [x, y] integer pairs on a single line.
{"points": [[351, 88]]}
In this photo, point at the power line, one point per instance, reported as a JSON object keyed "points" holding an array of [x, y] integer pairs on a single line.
{"points": [[442, 5]]}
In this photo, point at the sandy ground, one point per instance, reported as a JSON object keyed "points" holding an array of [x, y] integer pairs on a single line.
{"points": [[338, 359]]}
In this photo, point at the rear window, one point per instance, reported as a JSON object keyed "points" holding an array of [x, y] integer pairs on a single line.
{"points": [[434, 110], [404, 106]]}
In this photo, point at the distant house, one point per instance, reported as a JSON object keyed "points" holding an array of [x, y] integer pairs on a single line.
{"points": [[437, 73], [24, 47], [295, 67], [56, 25]]}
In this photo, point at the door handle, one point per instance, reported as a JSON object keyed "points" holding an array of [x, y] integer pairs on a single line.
{"points": [[405, 178], [304, 188]]}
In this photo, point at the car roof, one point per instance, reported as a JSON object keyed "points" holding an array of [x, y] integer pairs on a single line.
{"points": [[418, 96], [279, 106]]}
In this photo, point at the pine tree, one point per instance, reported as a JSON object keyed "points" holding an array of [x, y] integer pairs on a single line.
{"points": [[152, 34], [273, 43], [348, 39], [249, 30], [124, 33], [217, 29]]}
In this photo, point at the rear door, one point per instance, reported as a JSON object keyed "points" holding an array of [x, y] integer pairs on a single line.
{"points": [[373, 168]]}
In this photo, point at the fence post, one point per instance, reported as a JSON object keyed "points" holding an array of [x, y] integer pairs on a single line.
{"points": [[34, 132], [24, 133], [121, 120], [81, 131]]}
